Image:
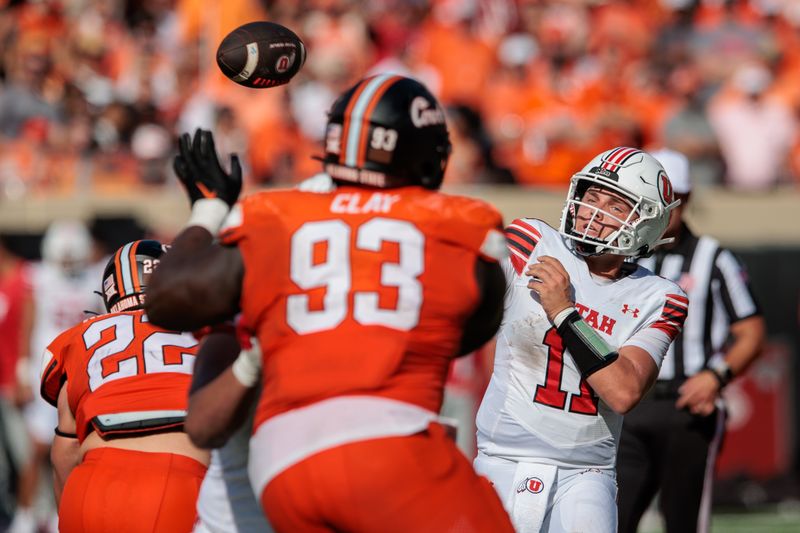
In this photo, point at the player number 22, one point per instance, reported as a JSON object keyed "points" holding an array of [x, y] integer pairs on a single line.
{"points": [[108, 341], [335, 274]]}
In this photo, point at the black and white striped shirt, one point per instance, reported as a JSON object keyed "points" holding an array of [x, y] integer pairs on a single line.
{"points": [[719, 295]]}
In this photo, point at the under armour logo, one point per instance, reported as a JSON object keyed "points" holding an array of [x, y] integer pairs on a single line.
{"points": [[625, 310]]}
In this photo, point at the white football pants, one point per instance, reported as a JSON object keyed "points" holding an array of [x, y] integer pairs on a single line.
{"points": [[553, 499]]}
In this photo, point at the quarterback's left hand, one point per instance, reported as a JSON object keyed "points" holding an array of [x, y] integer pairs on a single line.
{"points": [[698, 394], [199, 170]]}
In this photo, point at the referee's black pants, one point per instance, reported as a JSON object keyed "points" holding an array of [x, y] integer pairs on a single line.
{"points": [[672, 451]]}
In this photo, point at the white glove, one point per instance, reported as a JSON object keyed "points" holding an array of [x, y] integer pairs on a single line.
{"points": [[247, 367], [318, 183]]}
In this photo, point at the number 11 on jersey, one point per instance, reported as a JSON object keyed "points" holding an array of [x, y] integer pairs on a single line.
{"points": [[551, 393]]}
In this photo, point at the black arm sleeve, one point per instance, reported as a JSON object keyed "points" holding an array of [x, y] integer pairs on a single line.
{"points": [[588, 349]]}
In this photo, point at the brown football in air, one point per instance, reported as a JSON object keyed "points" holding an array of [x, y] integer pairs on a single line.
{"points": [[261, 55]]}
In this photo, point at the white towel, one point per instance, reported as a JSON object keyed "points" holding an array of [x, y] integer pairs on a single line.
{"points": [[533, 485]]}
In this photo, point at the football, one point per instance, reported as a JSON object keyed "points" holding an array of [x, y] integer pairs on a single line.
{"points": [[261, 55]]}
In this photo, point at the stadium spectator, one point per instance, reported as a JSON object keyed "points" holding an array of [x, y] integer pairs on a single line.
{"points": [[514, 96], [394, 24], [687, 128], [755, 130], [359, 380], [473, 159], [564, 79], [25, 95], [120, 457], [448, 42], [583, 336], [670, 441], [575, 92], [151, 145]]}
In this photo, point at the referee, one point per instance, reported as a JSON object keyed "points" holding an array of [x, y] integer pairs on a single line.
{"points": [[669, 441]]}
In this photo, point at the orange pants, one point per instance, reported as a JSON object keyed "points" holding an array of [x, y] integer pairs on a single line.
{"points": [[417, 483], [123, 491]]}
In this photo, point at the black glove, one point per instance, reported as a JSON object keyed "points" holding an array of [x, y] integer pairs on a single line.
{"points": [[199, 170]]}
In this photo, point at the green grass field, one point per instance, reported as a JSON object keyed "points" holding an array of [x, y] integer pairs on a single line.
{"points": [[784, 518]]}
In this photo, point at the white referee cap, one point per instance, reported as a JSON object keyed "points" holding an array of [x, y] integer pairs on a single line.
{"points": [[677, 166]]}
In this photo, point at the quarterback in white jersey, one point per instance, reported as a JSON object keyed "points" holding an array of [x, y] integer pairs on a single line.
{"points": [[583, 336]]}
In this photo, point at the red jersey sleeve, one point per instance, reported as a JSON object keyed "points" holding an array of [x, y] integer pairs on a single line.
{"points": [[673, 315], [521, 236]]}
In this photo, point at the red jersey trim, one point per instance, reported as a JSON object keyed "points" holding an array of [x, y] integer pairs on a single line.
{"points": [[521, 239]]}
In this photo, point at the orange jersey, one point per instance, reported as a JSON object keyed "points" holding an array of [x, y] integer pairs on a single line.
{"points": [[359, 291], [121, 365]]}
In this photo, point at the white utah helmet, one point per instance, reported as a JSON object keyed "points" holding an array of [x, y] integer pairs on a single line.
{"points": [[67, 244], [637, 176]]}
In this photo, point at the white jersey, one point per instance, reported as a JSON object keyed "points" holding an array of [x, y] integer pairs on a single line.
{"points": [[226, 503], [61, 301], [537, 408]]}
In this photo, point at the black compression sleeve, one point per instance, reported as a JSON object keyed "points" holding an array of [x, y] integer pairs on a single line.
{"points": [[588, 349]]}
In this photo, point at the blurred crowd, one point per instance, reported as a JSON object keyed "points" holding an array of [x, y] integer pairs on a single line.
{"points": [[93, 92]]}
